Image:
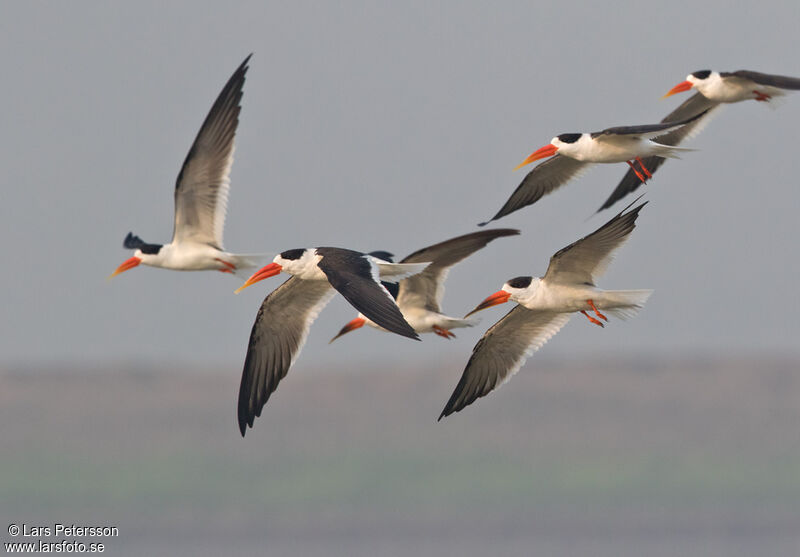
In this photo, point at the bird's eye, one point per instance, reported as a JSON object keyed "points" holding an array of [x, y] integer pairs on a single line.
{"points": [[701, 74]]}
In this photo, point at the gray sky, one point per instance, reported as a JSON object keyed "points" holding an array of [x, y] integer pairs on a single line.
{"points": [[364, 118]]}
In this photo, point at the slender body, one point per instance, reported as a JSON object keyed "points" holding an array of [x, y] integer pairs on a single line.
{"points": [[713, 89], [201, 197], [573, 153], [419, 297], [285, 317], [544, 306]]}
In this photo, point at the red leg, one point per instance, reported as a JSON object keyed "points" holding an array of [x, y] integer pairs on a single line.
{"points": [[443, 332], [638, 174], [762, 97], [230, 266], [644, 168], [600, 315], [592, 319]]}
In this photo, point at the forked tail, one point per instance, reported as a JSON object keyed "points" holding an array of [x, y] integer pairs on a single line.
{"points": [[625, 303], [246, 262]]}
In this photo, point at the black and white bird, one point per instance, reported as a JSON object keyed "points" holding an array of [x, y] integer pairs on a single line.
{"points": [[419, 297], [286, 315], [201, 197], [573, 153], [544, 306], [714, 89]]}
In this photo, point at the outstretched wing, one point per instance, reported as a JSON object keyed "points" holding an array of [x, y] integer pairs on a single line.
{"points": [[501, 352], [543, 179], [426, 289], [201, 191], [647, 131], [581, 261], [771, 80], [355, 276], [694, 105], [279, 332]]}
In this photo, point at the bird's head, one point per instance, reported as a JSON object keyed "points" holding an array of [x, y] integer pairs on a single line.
{"points": [[516, 290], [139, 256], [696, 79], [563, 141], [293, 262]]}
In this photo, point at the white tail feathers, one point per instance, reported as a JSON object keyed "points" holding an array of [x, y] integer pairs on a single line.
{"points": [[245, 263], [625, 303]]}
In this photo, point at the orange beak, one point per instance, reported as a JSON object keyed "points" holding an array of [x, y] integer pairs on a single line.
{"points": [[679, 88], [127, 264], [499, 297], [356, 323], [265, 272], [541, 153]]}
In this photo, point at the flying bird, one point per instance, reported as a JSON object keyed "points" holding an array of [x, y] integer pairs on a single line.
{"points": [[201, 197], [419, 297], [286, 315], [544, 306], [573, 153], [713, 90]]}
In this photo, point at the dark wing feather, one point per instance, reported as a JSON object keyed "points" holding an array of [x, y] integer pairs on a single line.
{"points": [[278, 334], [426, 289], [201, 190], [652, 130], [780, 81], [543, 179], [583, 260], [694, 105], [354, 277], [501, 353]]}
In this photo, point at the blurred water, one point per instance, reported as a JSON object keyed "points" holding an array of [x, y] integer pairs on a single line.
{"points": [[577, 458]]}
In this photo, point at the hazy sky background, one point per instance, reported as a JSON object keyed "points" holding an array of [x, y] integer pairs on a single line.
{"points": [[384, 126]]}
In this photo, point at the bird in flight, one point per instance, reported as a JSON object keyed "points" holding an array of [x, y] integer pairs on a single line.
{"points": [[286, 314], [419, 297], [544, 306], [573, 153], [201, 197], [714, 89]]}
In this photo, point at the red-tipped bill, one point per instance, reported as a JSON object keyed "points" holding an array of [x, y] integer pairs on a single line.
{"points": [[265, 272], [541, 153], [679, 88], [499, 297], [127, 264], [356, 323]]}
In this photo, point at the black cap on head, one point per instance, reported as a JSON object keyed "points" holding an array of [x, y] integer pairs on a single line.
{"points": [[520, 282], [569, 137], [293, 254]]}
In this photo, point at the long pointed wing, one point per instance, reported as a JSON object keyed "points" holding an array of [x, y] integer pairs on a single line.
{"points": [[279, 332], [201, 191], [780, 81], [694, 105], [543, 179], [355, 276], [426, 289], [581, 261], [501, 352], [648, 131]]}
